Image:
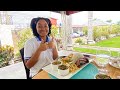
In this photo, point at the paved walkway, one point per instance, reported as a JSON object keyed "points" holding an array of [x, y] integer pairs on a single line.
{"points": [[14, 71]]}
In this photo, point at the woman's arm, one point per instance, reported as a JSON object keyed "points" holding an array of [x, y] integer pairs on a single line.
{"points": [[33, 60]]}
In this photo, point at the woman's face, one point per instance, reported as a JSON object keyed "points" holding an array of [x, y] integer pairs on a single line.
{"points": [[42, 27]]}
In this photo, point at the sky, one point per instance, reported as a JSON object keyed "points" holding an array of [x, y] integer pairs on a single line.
{"points": [[82, 17], [19, 17], [77, 18]]}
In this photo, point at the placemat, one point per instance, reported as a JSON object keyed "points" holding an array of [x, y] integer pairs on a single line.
{"points": [[87, 72]]}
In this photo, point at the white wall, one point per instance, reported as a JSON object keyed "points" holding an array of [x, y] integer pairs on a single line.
{"points": [[6, 34]]}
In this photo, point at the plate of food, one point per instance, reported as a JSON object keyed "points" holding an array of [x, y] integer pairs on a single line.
{"points": [[115, 62], [67, 66]]}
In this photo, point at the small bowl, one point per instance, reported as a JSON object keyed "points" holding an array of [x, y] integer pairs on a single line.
{"points": [[55, 65], [63, 70], [102, 76]]}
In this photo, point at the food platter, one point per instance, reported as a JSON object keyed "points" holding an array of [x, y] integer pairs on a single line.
{"points": [[75, 63], [48, 69]]}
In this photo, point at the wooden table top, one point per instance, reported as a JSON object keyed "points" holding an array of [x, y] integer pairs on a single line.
{"points": [[113, 72]]}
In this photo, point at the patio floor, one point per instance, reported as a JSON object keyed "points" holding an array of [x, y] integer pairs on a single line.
{"points": [[14, 71]]}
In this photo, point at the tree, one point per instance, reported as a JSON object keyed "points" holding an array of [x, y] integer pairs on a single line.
{"points": [[118, 23], [24, 35], [54, 30], [109, 21]]}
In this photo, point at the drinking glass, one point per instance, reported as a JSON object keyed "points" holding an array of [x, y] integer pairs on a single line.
{"points": [[115, 61], [102, 59], [118, 59]]}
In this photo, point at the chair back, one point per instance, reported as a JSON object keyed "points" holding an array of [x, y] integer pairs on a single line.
{"points": [[26, 69]]}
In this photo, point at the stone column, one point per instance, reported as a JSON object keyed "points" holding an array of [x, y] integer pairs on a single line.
{"points": [[63, 28], [69, 32], [66, 29], [90, 28]]}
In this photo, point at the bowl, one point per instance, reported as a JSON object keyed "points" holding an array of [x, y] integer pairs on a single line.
{"points": [[55, 65], [102, 76], [63, 70]]}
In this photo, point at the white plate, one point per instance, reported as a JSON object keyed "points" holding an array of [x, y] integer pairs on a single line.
{"points": [[114, 65], [48, 69]]}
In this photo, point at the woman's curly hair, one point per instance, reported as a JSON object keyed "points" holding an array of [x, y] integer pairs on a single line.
{"points": [[34, 23]]}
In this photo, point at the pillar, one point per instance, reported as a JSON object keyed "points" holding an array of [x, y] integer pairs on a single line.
{"points": [[66, 29], [90, 28]]}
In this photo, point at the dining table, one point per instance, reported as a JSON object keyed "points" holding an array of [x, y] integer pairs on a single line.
{"points": [[113, 72]]}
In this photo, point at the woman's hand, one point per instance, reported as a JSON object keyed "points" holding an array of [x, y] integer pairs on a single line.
{"points": [[43, 45], [51, 44]]}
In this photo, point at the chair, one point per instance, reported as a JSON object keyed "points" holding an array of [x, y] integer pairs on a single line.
{"points": [[26, 69]]}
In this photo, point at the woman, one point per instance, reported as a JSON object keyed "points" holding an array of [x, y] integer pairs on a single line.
{"points": [[40, 50]]}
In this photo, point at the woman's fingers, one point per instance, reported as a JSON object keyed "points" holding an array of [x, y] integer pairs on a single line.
{"points": [[52, 37], [42, 41]]}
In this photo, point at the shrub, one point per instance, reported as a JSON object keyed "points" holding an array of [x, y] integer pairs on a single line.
{"points": [[78, 40], [6, 54]]}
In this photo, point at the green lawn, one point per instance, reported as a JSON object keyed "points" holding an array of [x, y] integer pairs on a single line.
{"points": [[113, 42], [93, 51]]}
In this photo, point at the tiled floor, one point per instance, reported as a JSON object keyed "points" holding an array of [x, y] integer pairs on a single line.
{"points": [[14, 71]]}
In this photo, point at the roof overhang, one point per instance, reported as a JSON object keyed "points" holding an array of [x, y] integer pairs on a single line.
{"points": [[68, 12]]}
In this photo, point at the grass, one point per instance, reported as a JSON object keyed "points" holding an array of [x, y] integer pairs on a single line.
{"points": [[113, 42], [93, 51]]}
